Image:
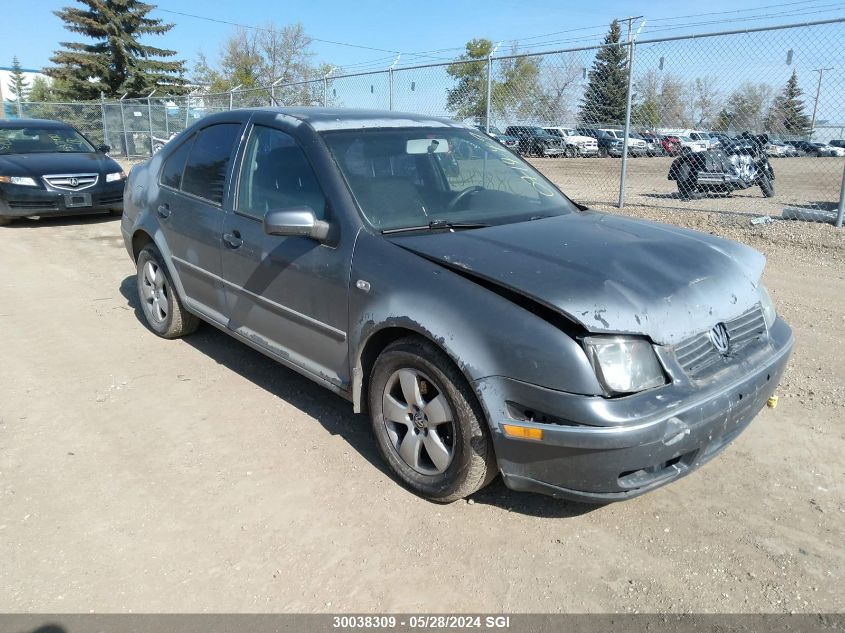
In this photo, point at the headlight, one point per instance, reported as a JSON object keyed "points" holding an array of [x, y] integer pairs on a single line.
{"points": [[623, 364], [19, 180], [117, 175], [768, 306]]}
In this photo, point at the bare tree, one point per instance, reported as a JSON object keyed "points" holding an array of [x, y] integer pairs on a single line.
{"points": [[746, 108], [556, 102], [706, 100], [261, 57]]}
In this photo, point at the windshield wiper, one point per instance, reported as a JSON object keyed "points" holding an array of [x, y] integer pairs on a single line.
{"points": [[437, 224]]}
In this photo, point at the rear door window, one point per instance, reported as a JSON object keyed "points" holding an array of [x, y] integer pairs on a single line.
{"points": [[171, 172], [208, 162]]}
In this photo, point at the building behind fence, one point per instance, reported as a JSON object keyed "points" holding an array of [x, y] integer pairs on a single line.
{"points": [[729, 82]]}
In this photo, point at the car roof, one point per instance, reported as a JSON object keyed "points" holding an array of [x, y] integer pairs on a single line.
{"points": [[18, 123], [324, 119]]}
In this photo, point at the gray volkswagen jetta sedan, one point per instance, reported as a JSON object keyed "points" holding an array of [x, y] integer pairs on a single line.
{"points": [[485, 322]]}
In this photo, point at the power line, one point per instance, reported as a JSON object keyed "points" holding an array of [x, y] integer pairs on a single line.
{"points": [[262, 28], [595, 32], [746, 10]]}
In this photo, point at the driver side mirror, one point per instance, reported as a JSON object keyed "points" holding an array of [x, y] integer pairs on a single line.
{"points": [[296, 221], [105, 149]]}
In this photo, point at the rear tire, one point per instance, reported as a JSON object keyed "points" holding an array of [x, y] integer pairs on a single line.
{"points": [[686, 182], [602, 152], [163, 310], [428, 424]]}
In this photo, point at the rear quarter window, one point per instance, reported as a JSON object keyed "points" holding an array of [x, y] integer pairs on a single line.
{"points": [[208, 161]]}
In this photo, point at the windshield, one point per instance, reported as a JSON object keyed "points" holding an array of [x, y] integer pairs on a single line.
{"points": [[28, 140], [556, 132], [414, 176], [686, 139], [495, 130]]}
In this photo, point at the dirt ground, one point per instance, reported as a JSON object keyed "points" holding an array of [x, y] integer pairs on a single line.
{"points": [[138, 474]]}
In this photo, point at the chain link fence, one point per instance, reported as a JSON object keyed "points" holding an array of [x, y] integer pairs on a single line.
{"points": [[739, 123]]}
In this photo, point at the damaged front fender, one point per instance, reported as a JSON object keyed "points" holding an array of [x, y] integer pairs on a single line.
{"points": [[484, 333]]}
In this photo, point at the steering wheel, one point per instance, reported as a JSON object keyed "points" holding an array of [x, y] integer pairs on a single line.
{"points": [[463, 195]]}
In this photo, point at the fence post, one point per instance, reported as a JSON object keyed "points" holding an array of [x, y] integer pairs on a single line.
{"points": [[103, 110], [232, 95], [150, 121], [325, 91], [841, 211], [489, 105], [624, 170], [489, 93], [20, 106], [123, 125], [390, 87]]}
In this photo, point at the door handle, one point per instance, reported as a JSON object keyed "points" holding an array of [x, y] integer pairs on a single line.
{"points": [[233, 239], [164, 210]]}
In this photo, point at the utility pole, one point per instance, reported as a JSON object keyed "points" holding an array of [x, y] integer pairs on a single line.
{"points": [[816, 102]]}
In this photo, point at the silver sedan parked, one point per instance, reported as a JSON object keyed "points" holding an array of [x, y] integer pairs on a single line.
{"points": [[485, 322]]}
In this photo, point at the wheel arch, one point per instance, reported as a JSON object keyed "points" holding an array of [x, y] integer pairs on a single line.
{"points": [[141, 238], [375, 343]]}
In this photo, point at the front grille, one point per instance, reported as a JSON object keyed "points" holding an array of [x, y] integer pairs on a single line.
{"points": [[71, 182], [697, 353]]}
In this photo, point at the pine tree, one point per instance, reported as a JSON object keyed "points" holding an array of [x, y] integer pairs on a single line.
{"points": [[117, 61], [606, 93], [787, 115], [18, 85]]}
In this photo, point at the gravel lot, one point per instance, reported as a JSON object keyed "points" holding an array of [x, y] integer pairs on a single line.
{"points": [[139, 474]]}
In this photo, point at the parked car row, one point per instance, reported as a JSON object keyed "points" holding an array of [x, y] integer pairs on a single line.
{"points": [[557, 141]]}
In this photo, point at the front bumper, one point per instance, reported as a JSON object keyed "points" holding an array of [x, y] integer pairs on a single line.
{"points": [[587, 150], [553, 151], [18, 201], [711, 178], [600, 450]]}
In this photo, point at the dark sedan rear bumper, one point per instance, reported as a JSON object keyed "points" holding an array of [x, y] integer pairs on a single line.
{"points": [[19, 201], [601, 450]]}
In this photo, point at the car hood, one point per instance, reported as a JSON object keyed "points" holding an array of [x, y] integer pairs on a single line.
{"points": [[580, 139], [608, 273], [38, 164]]}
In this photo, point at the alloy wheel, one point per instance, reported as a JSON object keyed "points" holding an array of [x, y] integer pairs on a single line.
{"points": [[419, 421], [154, 292]]}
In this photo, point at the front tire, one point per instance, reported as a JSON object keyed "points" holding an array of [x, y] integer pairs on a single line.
{"points": [[428, 424], [767, 186], [163, 310], [571, 152], [5, 221]]}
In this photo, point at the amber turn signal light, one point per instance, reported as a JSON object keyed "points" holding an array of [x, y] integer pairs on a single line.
{"points": [[524, 432]]}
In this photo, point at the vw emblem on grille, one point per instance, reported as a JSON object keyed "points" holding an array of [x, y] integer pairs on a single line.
{"points": [[74, 182], [720, 338]]}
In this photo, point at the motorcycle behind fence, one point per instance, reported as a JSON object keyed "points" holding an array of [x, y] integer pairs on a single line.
{"points": [[738, 164]]}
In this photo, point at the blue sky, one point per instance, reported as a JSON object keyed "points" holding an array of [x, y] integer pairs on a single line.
{"points": [[410, 26], [432, 31]]}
